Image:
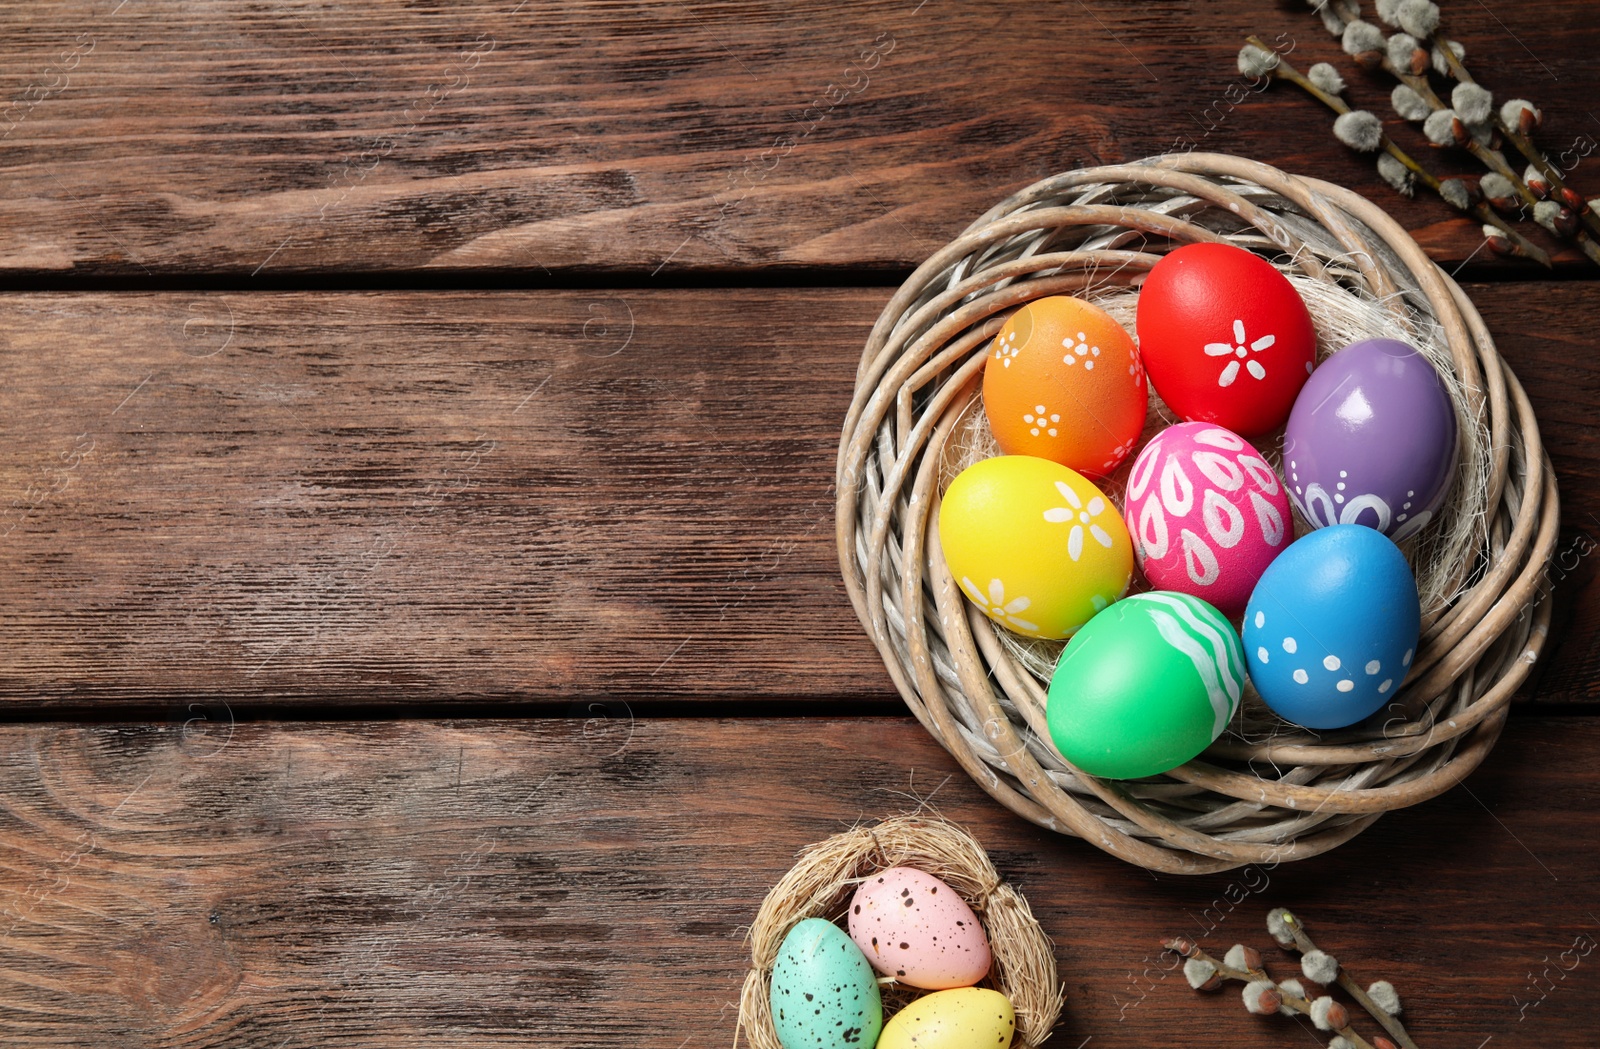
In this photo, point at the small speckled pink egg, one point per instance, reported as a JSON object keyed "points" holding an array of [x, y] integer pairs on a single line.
{"points": [[914, 927], [1206, 513]]}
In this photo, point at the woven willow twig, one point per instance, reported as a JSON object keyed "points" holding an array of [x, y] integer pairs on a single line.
{"points": [[1266, 791], [822, 881]]}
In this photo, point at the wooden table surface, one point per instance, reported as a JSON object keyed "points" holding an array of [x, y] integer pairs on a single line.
{"points": [[420, 618]]}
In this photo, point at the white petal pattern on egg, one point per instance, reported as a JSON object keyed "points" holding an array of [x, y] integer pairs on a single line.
{"points": [[1198, 559], [1224, 522], [1177, 492], [1153, 529], [1268, 518]]}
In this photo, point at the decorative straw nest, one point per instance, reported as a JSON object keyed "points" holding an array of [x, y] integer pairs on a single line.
{"points": [[824, 878], [1266, 791]]}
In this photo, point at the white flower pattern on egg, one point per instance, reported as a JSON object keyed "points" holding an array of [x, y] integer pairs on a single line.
{"points": [[1038, 420], [1080, 516], [1080, 348], [995, 605], [1240, 349], [1006, 348]]}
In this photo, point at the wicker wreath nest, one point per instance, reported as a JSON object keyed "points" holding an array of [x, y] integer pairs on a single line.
{"points": [[1266, 791], [825, 876]]}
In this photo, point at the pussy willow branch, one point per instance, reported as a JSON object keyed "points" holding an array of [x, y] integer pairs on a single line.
{"points": [[1524, 144], [1390, 1022], [1490, 158], [1282, 70], [1290, 1001]]}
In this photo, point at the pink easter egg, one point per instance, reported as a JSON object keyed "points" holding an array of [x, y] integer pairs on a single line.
{"points": [[914, 927], [1206, 513]]}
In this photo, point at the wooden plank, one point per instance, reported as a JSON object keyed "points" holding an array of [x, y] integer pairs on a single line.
{"points": [[551, 883], [168, 138], [465, 497]]}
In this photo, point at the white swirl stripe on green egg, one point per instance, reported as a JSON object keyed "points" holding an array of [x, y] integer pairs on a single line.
{"points": [[824, 993], [1194, 627], [1145, 686]]}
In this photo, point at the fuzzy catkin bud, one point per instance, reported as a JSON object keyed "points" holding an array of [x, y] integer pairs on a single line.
{"points": [[1385, 997], [1201, 974], [1326, 77], [1473, 103], [1396, 174], [1241, 957], [1440, 127], [1499, 243], [1387, 10], [1455, 193], [1341, 1042], [1278, 920], [1360, 130], [1441, 65], [1520, 115], [1498, 191], [1533, 178], [1261, 997], [1361, 37], [1399, 50], [1332, 20], [1555, 218], [1287, 988], [1319, 966], [1329, 1015], [1410, 105], [1254, 62], [1417, 17]]}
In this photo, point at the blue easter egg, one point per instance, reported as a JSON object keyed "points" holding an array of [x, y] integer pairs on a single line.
{"points": [[1332, 627]]}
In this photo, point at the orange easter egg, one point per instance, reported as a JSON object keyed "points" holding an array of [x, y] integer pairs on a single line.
{"points": [[1063, 382]]}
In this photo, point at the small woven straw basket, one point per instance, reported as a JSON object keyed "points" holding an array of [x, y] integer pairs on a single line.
{"points": [[1265, 791], [824, 878]]}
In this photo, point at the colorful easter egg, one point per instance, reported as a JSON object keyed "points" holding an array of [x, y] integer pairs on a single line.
{"points": [[1145, 686], [823, 991], [1332, 627], [965, 1018], [1225, 337], [1206, 513], [1372, 440], [1063, 382], [1036, 546], [914, 927]]}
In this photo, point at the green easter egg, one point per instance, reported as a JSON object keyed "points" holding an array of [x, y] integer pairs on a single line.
{"points": [[1145, 685], [824, 992]]}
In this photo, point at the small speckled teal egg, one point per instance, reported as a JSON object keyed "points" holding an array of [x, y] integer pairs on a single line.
{"points": [[965, 1018], [824, 994]]}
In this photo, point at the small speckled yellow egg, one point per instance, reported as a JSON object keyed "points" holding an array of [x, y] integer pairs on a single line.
{"points": [[1036, 546], [965, 1018]]}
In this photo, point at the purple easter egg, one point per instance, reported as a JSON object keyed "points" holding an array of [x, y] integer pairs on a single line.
{"points": [[1371, 440]]}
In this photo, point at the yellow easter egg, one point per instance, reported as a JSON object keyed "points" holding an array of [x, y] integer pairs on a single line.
{"points": [[964, 1018], [1035, 545]]}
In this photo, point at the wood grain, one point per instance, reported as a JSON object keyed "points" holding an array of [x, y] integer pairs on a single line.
{"points": [[307, 499], [560, 884], [167, 138]]}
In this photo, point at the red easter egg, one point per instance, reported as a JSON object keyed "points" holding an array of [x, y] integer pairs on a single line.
{"points": [[1224, 337]]}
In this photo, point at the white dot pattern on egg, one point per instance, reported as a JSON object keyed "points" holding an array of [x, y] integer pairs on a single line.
{"points": [[917, 929], [1342, 604]]}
